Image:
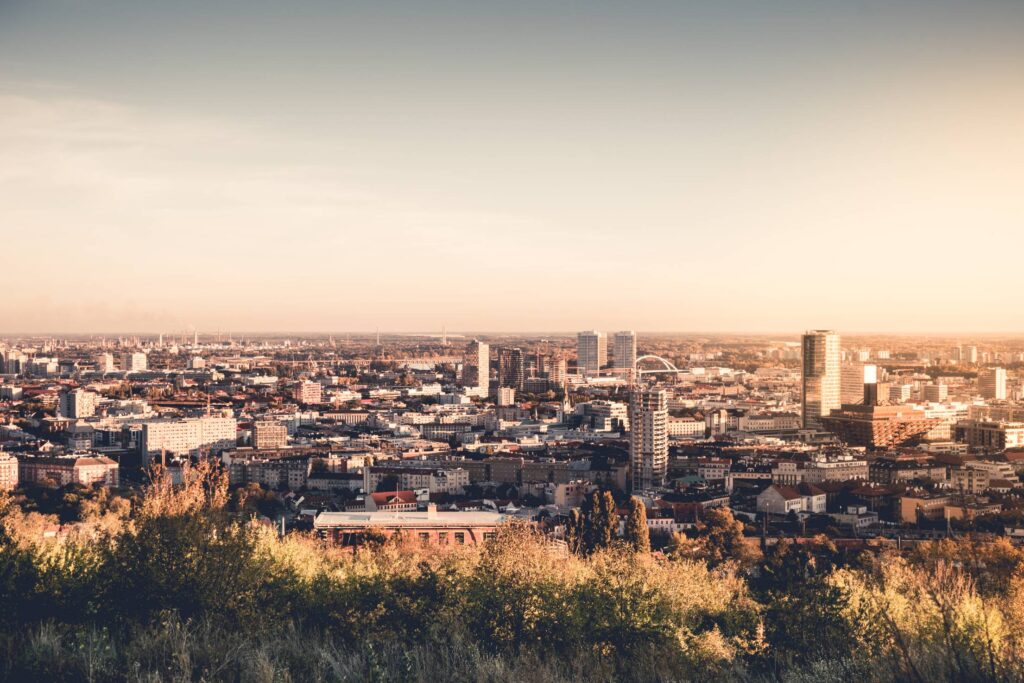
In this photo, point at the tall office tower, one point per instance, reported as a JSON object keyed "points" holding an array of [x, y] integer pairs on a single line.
{"points": [[104, 362], [476, 368], [855, 378], [969, 355], [134, 362], [591, 352], [956, 354], [821, 376], [648, 437], [77, 404], [992, 383], [624, 348], [510, 368]]}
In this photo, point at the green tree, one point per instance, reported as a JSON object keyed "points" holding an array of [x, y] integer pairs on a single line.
{"points": [[574, 531], [600, 522], [637, 533], [721, 539]]}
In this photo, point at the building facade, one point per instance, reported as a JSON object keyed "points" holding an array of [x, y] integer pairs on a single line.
{"points": [[591, 352], [822, 376], [648, 437], [624, 349]]}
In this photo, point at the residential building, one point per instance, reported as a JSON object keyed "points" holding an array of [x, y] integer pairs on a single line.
{"points": [[648, 437], [476, 368], [269, 434], [511, 368], [992, 384], [591, 352], [308, 393], [935, 393], [134, 362], [61, 471], [8, 472], [917, 505], [836, 468], [436, 480], [990, 435], [187, 436], [77, 404], [104, 362], [624, 349], [781, 500]]}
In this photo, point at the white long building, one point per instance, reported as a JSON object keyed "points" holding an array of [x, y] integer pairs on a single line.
{"points": [[187, 436]]}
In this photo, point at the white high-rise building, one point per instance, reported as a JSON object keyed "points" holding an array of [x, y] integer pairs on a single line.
{"points": [[969, 354], [624, 349], [77, 404], [476, 368], [134, 362], [648, 437], [591, 352], [104, 362], [992, 383], [822, 376]]}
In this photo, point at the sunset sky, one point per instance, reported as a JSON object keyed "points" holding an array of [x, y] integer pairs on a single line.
{"points": [[343, 166]]}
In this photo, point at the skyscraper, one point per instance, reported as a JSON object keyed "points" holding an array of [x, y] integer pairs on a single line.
{"points": [[476, 368], [591, 352], [511, 368], [992, 383], [648, 437], [822, 376], [624, 349]]}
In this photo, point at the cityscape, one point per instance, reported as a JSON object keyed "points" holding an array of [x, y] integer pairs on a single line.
{"points": [[511, 342], [435, 432]]}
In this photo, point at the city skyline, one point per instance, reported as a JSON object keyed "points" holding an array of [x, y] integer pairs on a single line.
{"points": [[356, 166]]}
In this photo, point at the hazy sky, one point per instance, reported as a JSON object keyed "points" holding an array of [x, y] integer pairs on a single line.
{"points": [[249, 165]]}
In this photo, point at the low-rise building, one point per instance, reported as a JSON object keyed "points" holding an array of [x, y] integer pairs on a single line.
{"points": [[60, 471], [430, 526], [781, 500]]}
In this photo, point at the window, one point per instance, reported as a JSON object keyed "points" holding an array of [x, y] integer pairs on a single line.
{"points": [[460, 537], [489, 535], [442, 537], [424, 537]]}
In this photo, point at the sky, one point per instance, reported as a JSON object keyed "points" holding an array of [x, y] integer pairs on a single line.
{"points": [[511, 166]]}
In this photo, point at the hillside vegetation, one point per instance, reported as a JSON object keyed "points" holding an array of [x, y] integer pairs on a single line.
{"points": [[174, 588]]}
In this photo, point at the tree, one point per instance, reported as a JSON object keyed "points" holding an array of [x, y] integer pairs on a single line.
{"points": [[721, 539], [637, 533], [574, 532], [600, 522]]}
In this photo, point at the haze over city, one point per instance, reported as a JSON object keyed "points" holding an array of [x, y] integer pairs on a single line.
{"points": [[746, 166]]}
